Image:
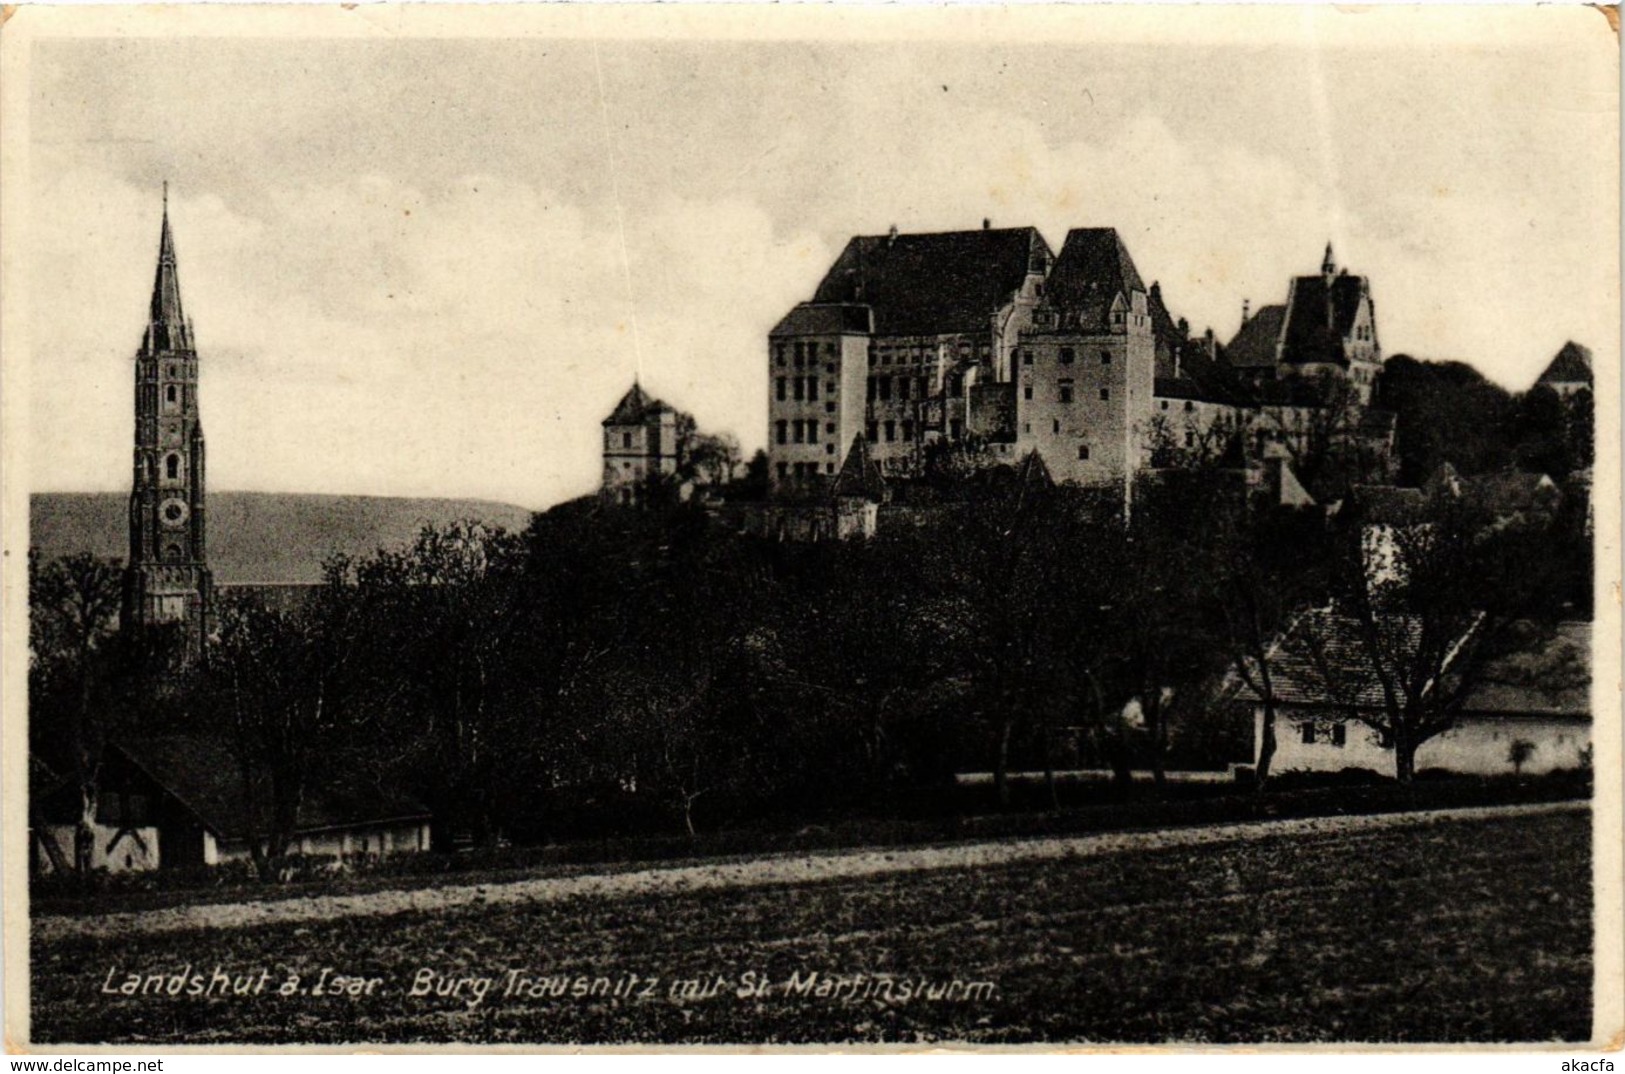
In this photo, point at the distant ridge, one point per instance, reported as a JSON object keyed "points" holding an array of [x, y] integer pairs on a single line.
{"points": [[261, 536]]}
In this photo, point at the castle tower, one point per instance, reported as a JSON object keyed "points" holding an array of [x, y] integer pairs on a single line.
{"points": [[167, 579]]}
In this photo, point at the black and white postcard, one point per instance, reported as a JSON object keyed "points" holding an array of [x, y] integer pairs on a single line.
{"points": [[839, 526]]}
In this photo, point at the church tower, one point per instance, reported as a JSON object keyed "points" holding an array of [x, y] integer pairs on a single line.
{"points": [[167, 579]]}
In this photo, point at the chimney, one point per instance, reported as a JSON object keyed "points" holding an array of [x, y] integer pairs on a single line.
{"points": [[891, 236], [986, 223], [1246, 310]]}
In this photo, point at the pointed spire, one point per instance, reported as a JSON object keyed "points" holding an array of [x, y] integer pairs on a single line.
{"points": [[166, 323], [1328, 266]]}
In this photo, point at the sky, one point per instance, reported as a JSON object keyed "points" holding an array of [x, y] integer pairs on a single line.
{"points": [[431, 267]]}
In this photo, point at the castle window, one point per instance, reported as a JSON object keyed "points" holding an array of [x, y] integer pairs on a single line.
{"points": [[784, 470], [1105, 357], [812, 389], [812, 432], [169, 393], [829, 367], [829, 468], [801, 353], [902, 388], [1066, 355], [798, 431], [829, 407], [1066, 391], [1083, 452], [908, 430], [626, 440], [829, 427], [1027, 357], [1026, 426], [172, 553], [829, 388], [778, 353], [1308, 732], [829, 449], [871, 432], [871, 389], [1165, 404], [1189, 406], [801, 388], [891, 431], [1339, 734], [885, 388], [1105, 394], [172, 467], [829, 348], [1055, 426], [782, 431], [1027, 391], [779, 388]]}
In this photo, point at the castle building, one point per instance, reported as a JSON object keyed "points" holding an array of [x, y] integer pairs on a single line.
{"points": [[986, 335], [167, 579], [1086, 370], [1327, 326], [640, 444], [908, 339]]}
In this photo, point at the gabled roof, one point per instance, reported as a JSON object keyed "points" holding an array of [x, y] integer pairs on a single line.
{"points": [[812, 319], [1162, 322], [202, 773], [1322, 660], [1254, 344], [1093, 269], [952, 281], [1571, 366], [1320, 316], [634, 407]]}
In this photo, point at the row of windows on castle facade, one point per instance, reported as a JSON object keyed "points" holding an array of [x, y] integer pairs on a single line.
{"points": [[803, 354]]}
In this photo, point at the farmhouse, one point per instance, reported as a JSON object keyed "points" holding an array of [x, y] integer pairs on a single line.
{"points": [[174, 801], [1527, 710]]}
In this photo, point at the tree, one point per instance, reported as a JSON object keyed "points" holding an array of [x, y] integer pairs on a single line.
{"points": [[281, 681], [1401, 648], [73, 622], [1261, 568]]}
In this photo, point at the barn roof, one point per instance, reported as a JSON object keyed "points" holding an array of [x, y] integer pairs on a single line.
{"points": [[202, 773], [929, 284]]}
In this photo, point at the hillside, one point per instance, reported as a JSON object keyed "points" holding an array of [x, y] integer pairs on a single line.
{"points": [[261, 536]]}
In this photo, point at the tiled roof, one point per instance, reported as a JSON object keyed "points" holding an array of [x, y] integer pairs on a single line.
{"points": [[634, 406], [1386, 504], [1093, 268], [202, 773], [812, 319], [1572, 365], [930, 284], [1320, 315], [1254, 344], [1323, 660]]}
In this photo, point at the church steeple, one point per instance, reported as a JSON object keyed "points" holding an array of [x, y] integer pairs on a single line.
{"points": [[168, 578], [166, 323], [1328, 265]]}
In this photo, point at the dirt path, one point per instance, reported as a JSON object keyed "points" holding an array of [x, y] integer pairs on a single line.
{"points": [[780, 869]]}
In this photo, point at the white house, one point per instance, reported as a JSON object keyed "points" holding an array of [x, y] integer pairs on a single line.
{"points": [[1529, 711]]}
